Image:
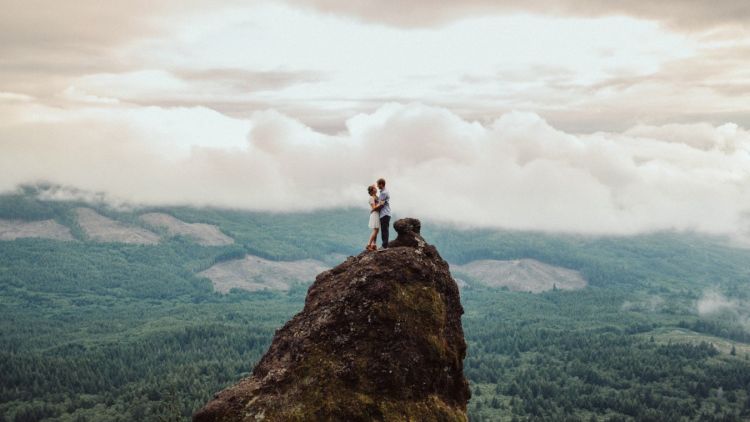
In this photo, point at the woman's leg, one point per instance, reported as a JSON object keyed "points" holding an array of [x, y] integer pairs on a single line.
{"points": [[373, 236]]}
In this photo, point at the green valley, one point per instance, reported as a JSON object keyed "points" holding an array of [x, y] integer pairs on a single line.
{"points": [[100, 329]]}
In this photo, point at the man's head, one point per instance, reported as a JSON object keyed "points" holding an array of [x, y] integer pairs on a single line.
{"points": [[381, 183]]}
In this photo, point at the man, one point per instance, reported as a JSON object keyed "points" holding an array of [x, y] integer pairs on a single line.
{"points": [[384, 209]]}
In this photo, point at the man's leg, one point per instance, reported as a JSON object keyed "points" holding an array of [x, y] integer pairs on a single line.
{"points": [[385, 221]]}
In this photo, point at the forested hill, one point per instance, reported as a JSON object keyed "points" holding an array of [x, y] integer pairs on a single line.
{"points": [[111, 320]]}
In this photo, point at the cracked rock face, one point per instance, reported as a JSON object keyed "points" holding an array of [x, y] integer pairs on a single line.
{"points": [[379, 338]]}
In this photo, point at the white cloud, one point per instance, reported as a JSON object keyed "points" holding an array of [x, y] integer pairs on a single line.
{"points": [[650, 303], [74, 94], [675, 13], [582, 66], [713, 302], [516, 172], [13, 96]]}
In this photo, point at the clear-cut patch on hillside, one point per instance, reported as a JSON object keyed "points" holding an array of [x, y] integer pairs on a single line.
{"points": [[48, 229], [253, 273], [204, 234], [103, 229], [524, 275]]}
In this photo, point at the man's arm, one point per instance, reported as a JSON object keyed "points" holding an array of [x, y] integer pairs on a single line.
{"points": [[382, 201]]}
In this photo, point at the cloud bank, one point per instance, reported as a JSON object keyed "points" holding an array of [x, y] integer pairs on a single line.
{"points": [[715, 303], [516, 172], [680, 14], [582, 65]]}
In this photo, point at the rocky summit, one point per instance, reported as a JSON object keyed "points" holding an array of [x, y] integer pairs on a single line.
{"points": [[379, 339]]}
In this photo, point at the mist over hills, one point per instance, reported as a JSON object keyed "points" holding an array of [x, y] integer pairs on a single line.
{"points": [[103, 330], [514, 171]]}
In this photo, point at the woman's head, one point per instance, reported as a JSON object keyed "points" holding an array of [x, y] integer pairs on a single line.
{"points": [[371, 190]]}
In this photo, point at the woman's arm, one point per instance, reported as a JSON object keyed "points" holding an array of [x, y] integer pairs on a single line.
{"points": [[375, 205]]}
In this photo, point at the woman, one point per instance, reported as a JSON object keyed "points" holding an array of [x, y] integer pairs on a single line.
{"points": [[374, 218]]}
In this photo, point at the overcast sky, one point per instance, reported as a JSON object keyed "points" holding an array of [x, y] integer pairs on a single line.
{"points": [[555, 115]]}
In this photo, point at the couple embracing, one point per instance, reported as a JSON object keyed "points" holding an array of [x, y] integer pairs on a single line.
{"points": [[380, 214]]}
